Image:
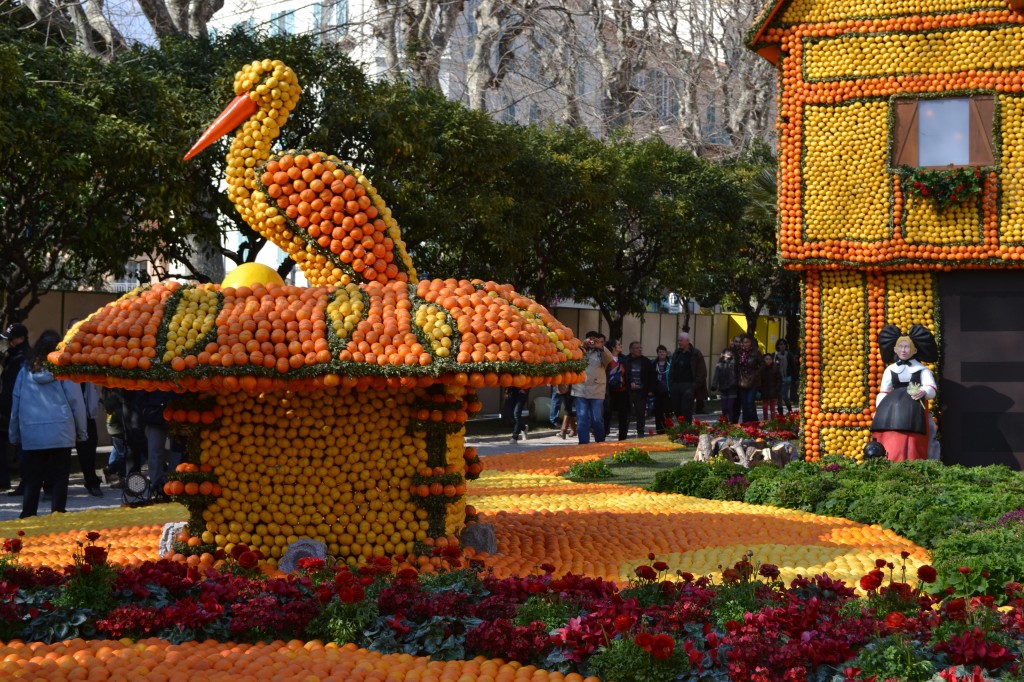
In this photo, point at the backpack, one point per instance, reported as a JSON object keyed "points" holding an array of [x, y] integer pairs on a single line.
{"points": [[615, 377]]}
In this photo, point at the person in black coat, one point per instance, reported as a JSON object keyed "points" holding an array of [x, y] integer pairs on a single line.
{"points": [[16, 336], [638, 374]]}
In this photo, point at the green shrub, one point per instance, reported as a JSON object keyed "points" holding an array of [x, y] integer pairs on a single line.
{"points": [[762, 491], [999, 550], [683, 480], [632, 456], [589, 471]]}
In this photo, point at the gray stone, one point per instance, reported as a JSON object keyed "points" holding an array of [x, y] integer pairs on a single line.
{"points": [[300, 549], [170, 534], [479, 536]]}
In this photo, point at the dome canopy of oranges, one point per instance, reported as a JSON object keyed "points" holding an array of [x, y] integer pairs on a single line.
{"points": [[202, 336]]}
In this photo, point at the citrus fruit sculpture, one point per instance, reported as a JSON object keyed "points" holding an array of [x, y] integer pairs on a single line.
{"points": [[334, 412]]}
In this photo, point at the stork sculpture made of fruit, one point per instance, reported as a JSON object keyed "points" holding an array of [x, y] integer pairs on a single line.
{"points": [[334, 412]]}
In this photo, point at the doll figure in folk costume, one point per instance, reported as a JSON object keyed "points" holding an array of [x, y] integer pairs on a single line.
{"points": [[902, 423]]}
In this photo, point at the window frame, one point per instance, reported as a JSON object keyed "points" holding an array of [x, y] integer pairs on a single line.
{"points": [[904, 148]]}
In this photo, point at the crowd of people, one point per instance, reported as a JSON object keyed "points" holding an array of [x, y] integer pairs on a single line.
{"points": [[621, 389], [43, 418]]}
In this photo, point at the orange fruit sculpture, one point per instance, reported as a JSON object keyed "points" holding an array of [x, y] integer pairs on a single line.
{"points": [[319, 412]]}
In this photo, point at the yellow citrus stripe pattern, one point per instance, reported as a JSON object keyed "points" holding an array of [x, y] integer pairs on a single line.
{"points": [[1012, 175], [607, 530], [932, 52], [846, 179], [844, 306], [820, 11], [923, 223]]}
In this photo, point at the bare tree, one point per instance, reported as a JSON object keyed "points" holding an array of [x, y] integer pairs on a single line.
{"points": [[90, 25], [725, 93], [414, 35]]}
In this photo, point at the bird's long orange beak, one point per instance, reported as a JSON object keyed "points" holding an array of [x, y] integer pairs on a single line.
{"points": [[241, 108]]}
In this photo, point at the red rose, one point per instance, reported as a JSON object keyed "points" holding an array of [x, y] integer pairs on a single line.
{"points": [[622, 622], [94, 556], [870, 582], [770, 571], [645, 572], [248, 560], [660, 566], [662, 646], [547, 568], [879, 563], [93, 536], [927, 574], [895, 619], [644, 640], [238, 550], [965, 570]]}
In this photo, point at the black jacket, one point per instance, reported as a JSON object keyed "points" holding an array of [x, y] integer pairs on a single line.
{"points": [[12, 365], [648, 377]]}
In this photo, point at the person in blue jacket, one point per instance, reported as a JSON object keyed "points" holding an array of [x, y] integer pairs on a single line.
{"points": [[47, 418]]}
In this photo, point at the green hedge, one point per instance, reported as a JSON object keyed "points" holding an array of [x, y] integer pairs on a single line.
{"points": [[953, 511]]}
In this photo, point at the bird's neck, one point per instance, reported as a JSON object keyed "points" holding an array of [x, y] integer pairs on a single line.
{"points": [[250, 150]]}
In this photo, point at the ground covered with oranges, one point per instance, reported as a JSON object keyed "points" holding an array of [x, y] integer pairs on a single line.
{"points": [[604, 535]]}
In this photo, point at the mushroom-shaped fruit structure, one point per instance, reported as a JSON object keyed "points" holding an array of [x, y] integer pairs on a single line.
{"points": [[334, 412]]}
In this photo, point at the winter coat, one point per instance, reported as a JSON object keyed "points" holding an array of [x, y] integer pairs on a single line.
{"points": [[114, 406], [151, 407], [12, 367], [698, 370], [593, 387], [46, 413], [723, 381], [648, 377], [771, 382], [749, 369]]}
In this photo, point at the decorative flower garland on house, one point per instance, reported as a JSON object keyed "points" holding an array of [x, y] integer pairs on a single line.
{"points": [[942, 186]]}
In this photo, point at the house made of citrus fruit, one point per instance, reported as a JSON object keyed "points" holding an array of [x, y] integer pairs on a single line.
{"points": [[901, 172]]}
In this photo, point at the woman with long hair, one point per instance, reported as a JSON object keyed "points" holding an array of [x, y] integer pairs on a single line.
{"points": [[47, 418]]}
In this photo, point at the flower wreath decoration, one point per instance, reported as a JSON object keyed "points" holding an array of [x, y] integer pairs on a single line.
{"points": [[942, 186]]}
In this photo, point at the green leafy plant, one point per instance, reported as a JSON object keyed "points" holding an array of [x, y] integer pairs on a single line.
{"points": [[589, 471], [342, 622], [90, 580], [627, 660], [895, 658], [632, 456], [942, 186], [551, 611]]}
